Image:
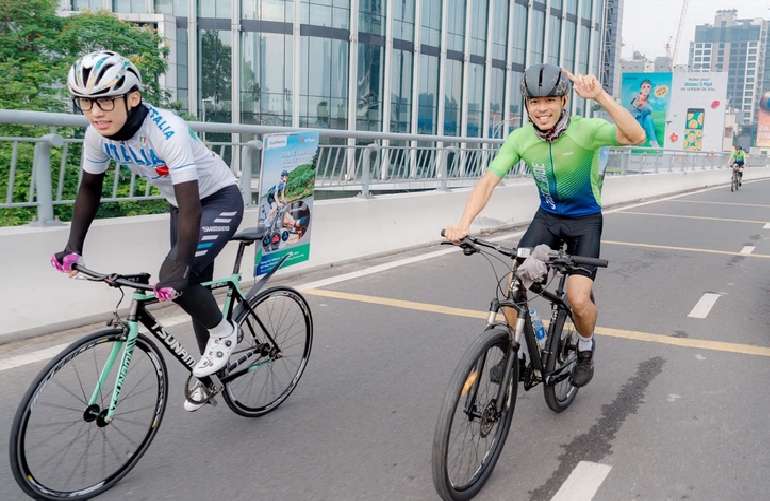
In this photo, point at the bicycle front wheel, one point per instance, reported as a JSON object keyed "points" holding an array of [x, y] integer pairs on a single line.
{"points": [[562, 349], [470, 433], [62, 448], [269, 372]]}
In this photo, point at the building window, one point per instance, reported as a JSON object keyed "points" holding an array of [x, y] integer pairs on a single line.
{"points": [[371, 18], [475, 99], [403, 20], [520, 32], [427, 117], [401, 91], [323, 83], [371, 61], [281, 11], [181, 69], [456, 28], [87, 4], [325, 13], [516, 108], [554, 39], [538, 36], [172, 7], [431, 23], [220, 9], [500, 33], [128, 6], [266, 79], [453, 97], [479, 23], [496, 97]]}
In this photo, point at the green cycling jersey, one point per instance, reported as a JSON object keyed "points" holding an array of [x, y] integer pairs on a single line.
{"points": [[566, 171], [739, 156]]}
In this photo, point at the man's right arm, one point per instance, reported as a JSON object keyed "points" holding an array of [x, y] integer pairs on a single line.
{"points": [[89, 194], [86, 207], [475, 204], [506, 158]]}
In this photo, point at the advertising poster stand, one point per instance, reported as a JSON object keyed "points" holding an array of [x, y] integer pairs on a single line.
{"points": [[286, 192]]}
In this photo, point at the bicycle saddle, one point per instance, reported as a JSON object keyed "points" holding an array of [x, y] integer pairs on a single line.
{"points": [[252, 233]]}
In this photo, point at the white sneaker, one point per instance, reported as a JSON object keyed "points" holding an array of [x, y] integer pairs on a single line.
{"points": [[216, 354], [197, 393]]}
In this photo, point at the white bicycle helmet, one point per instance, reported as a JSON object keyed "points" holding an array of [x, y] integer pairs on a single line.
{"points": [[103, 73]]}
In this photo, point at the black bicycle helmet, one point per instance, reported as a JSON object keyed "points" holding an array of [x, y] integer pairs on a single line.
{"points": [[544, 80]]}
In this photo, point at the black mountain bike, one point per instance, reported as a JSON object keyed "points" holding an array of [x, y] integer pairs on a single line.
{"points": [[481, 397], [735, 183], [75, 435]]}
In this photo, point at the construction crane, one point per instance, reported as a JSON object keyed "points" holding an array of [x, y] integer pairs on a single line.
{"points": [[678, 32]]}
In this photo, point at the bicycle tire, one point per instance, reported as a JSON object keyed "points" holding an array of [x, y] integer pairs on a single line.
{"points": [[458, 384], [560, 349], [27, 479], [251, 329]]}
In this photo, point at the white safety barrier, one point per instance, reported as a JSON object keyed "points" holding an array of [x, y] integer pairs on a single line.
{"points": [[36, 299]]}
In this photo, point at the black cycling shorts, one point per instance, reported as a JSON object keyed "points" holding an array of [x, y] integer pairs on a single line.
{"points": [[221, 213], [582, 235]]}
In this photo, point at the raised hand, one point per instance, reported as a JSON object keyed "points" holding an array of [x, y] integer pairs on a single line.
{"points": [[586, 86]]}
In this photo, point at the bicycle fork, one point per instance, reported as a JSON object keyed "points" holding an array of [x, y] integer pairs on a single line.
{"points": [[93, 411]]}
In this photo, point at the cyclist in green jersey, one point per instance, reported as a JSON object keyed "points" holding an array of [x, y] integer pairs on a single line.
{"points": [[737, 161], [562, 153]]}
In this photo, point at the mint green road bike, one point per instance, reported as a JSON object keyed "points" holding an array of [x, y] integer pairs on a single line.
{"points": [[86, 421]]}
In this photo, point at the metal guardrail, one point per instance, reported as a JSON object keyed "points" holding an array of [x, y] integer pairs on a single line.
{"points": [[347, 160]]}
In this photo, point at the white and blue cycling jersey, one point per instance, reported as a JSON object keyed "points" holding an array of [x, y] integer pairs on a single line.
{"points": [[165, 151]]}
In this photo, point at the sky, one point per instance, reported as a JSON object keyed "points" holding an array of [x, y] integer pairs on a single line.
{"points": [[648, 24]]}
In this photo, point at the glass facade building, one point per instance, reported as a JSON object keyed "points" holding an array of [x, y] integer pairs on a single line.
{"points": [[445, 67], [740, 47]]}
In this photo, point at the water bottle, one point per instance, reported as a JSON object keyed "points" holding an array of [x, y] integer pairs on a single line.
{"points": [[537, 326]]}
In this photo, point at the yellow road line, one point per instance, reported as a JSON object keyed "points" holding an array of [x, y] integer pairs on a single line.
{"points": [[689, 249], [744, 349], [705, 218], [716, 203]]}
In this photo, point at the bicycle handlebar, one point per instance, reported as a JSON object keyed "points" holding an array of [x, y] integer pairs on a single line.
{"points": [[137, 281], [556, 257]]}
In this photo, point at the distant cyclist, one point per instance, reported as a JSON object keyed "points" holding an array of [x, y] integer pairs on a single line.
{"points": [[563, 154], [206, 204], [276, 195], [737, 161]]}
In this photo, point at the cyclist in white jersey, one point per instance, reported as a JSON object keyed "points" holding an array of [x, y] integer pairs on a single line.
{"points": [[206, 205]]}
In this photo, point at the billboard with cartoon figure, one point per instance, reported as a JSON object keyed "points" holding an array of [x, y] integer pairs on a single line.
{"points": [[286, 188], [647, 96]]}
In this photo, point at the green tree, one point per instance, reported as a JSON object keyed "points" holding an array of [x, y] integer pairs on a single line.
{"points": [[37, 47]]}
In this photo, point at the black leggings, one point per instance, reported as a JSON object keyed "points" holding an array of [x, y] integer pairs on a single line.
{"points": [[582, 234], [221, 213]]}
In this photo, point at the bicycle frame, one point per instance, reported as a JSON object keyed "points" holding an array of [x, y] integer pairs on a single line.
{"points": [[138, 313], [523, 326]]}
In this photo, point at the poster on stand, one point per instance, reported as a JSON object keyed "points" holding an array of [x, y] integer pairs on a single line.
{"points": [[286, 192]]}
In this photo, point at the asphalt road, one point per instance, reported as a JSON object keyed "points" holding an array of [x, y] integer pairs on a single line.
{"points": [[677, 409]]}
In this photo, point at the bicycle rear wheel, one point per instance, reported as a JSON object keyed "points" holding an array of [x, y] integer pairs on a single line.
{"points": [[562, 354], [60, 447], [268, 374], [460, 465]]}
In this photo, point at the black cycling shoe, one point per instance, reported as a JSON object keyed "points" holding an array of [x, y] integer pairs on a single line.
{"points": [[584, 369]]}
